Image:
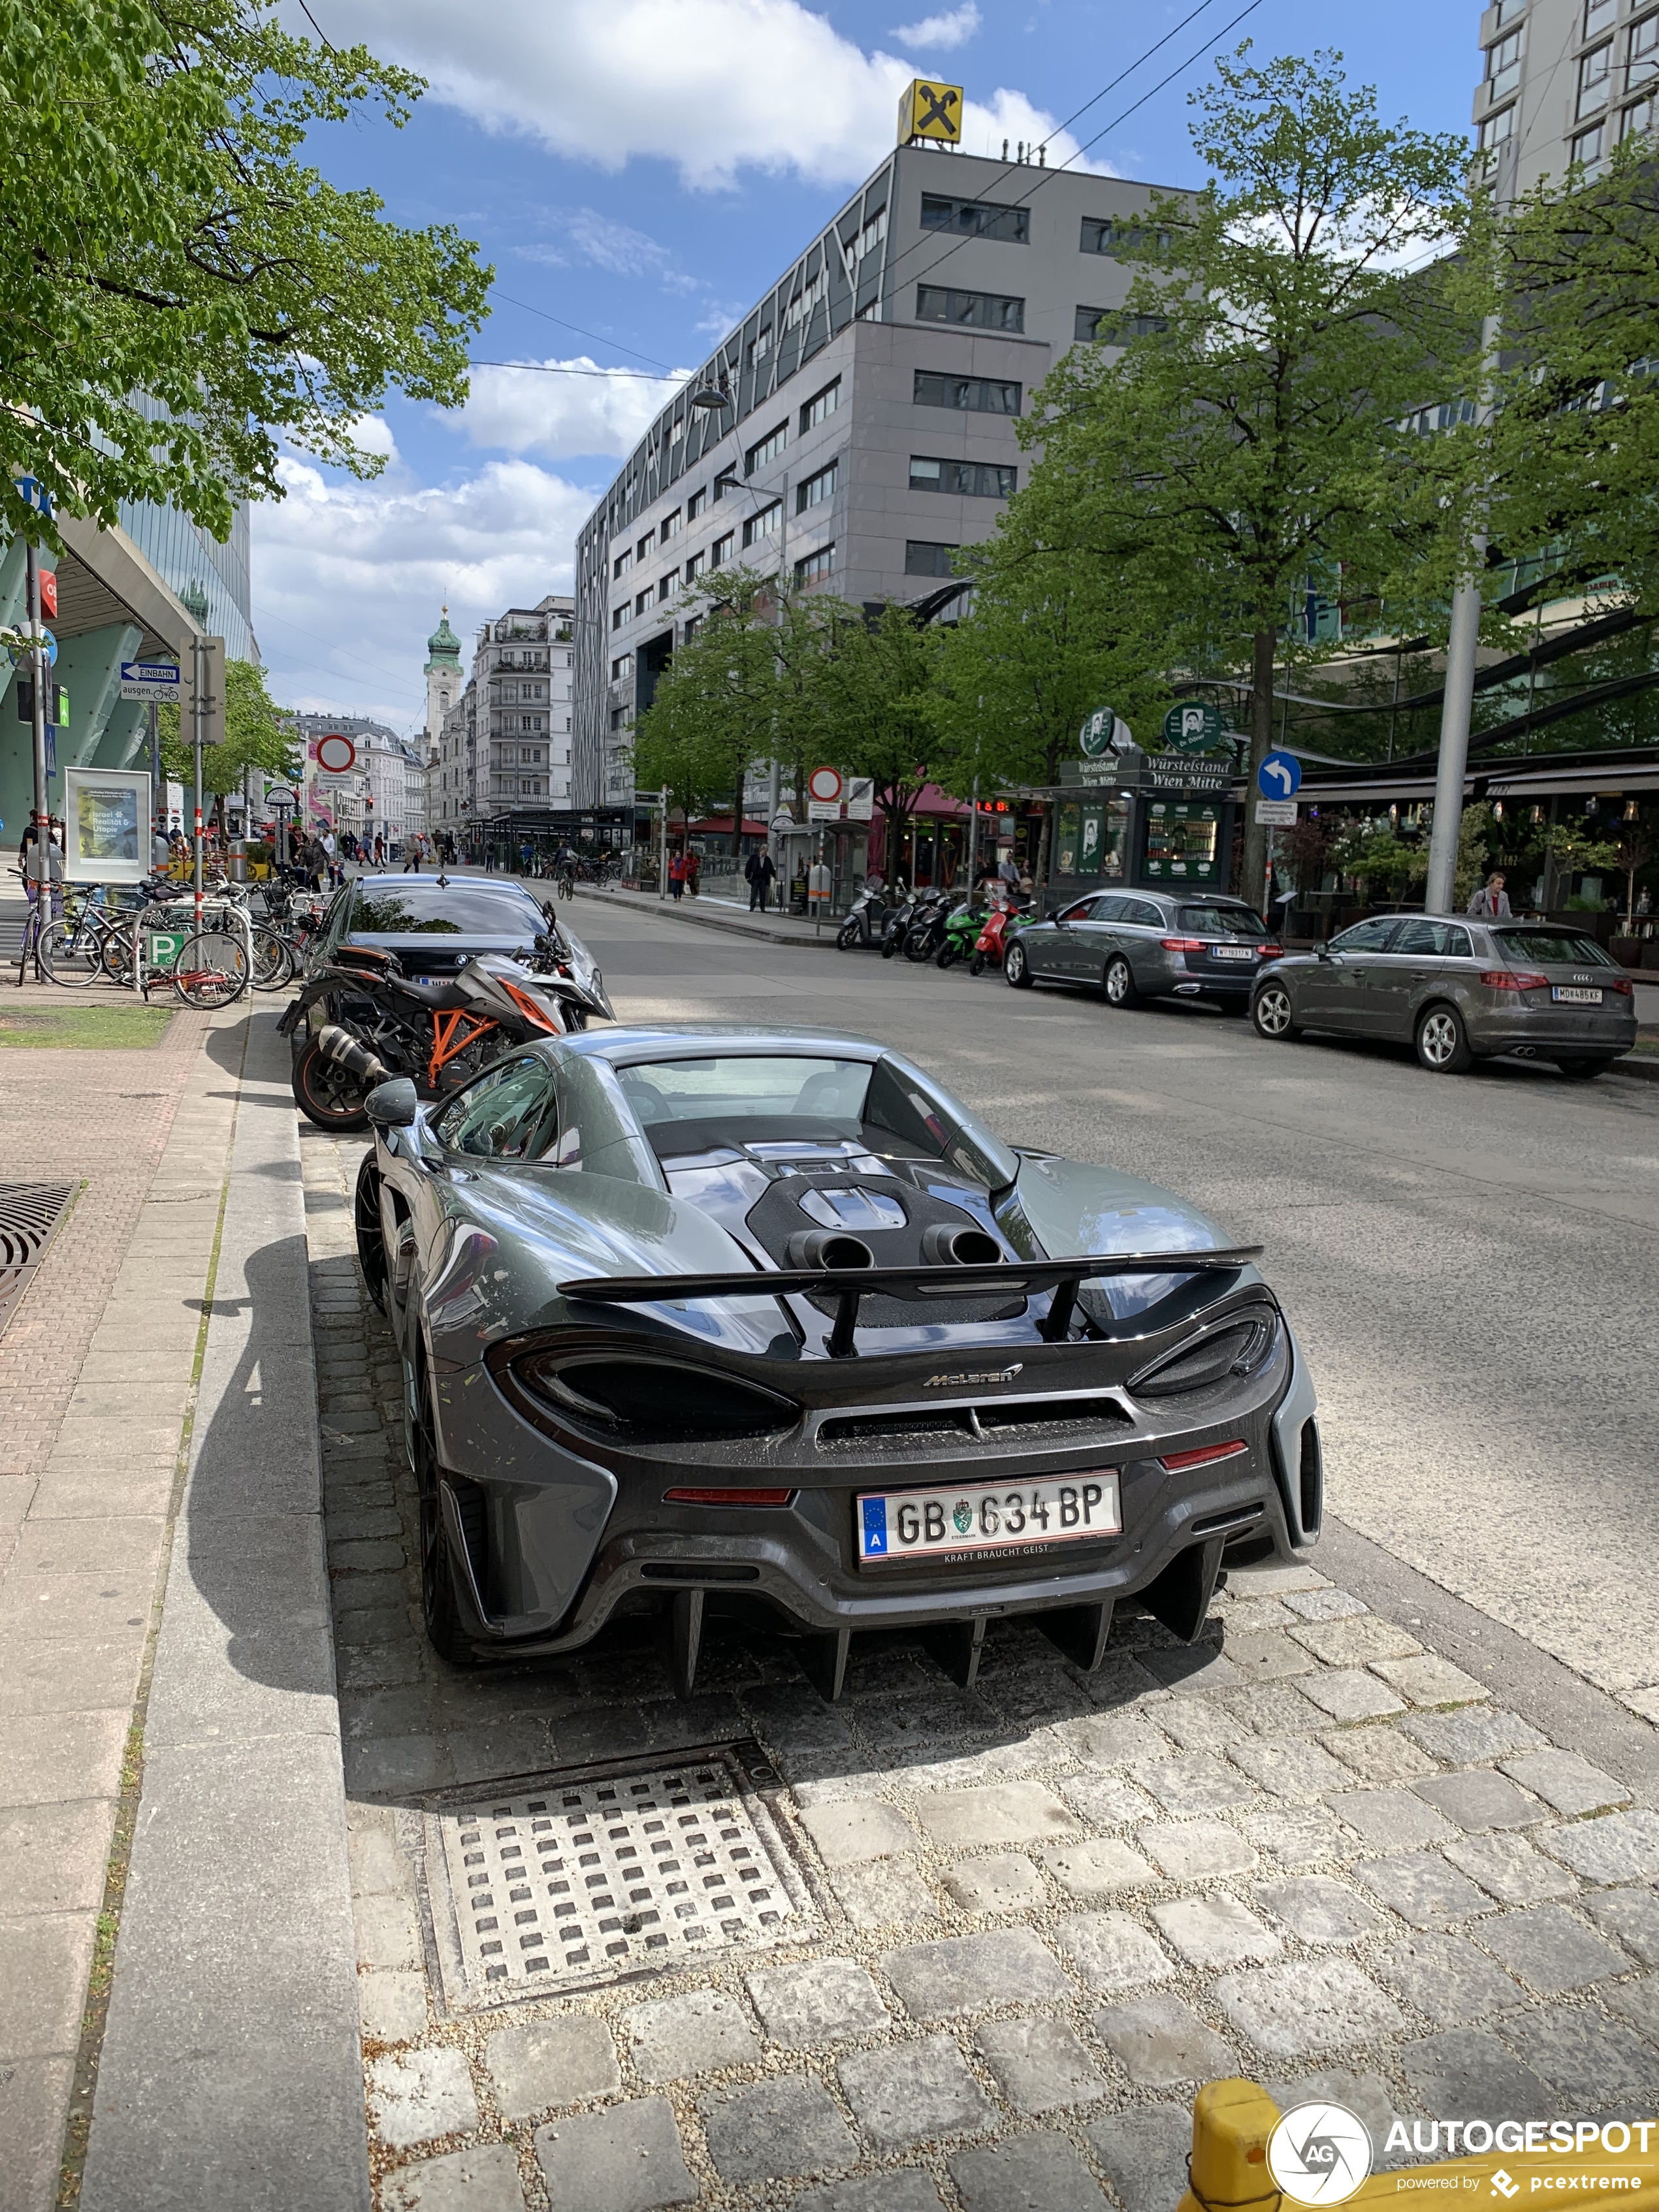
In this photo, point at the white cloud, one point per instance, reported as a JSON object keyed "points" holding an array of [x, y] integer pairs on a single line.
{"points": [[349, 577], [595, 410], [715, 86], [937, 35], [587, 235], [372, 433]]}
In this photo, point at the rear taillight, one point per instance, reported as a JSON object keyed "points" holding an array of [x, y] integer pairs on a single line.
{"points": [[1271, 951], [1177, 1461], [1622, 984], [1513, 979], [1183, 944], [726, 1497]]}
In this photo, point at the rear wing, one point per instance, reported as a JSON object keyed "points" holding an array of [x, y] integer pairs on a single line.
{"points": [[848, 1286]]}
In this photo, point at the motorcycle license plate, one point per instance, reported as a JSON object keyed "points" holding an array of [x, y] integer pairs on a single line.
{"points": [[999, 1518]]}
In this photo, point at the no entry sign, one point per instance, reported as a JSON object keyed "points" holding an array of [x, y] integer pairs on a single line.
{"points": [[336, 755]]}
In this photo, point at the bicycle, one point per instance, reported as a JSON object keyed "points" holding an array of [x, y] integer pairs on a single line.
{"points": [[87, 941]]}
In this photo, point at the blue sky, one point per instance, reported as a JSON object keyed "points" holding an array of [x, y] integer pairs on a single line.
{"points": [[641, 170]]}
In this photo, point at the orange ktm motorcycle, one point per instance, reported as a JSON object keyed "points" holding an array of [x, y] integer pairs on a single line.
{"points": [[361, 1020]]}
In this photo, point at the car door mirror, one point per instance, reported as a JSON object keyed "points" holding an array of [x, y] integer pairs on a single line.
{"points": [[1324, 950], [392, 1105]]}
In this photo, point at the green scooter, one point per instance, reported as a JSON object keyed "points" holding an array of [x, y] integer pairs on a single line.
{"points": [[961, 934]]}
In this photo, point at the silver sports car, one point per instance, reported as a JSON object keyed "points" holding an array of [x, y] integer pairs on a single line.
{"points": [[731, 1320]]}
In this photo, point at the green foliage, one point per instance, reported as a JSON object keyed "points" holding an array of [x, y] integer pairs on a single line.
{"points": [[255, 737], [167, 253]]}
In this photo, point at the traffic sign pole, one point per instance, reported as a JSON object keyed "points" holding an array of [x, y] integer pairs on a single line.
{"points": [[198, 670], [41, 868]]}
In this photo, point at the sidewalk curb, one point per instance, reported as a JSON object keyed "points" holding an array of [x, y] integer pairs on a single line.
{"points": [[701, 917]]}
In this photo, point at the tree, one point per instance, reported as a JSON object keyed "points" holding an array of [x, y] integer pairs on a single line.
{"points": [[178, 290], [717, 705], [1239, 452], [256, 737], [874, 692]]}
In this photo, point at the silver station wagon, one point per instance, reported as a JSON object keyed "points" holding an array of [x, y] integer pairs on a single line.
{"points": [[1458, 991], [1132, 945]]}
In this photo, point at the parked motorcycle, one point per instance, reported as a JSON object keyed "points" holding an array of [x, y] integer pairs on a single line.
{"points": [[868, 918], [1000, 924], [962, 932], [440, 1034], [927, 931], [897, 927]]}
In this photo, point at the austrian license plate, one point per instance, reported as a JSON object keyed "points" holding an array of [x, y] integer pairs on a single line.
{"points": [[1575, 995], [1232, 952], [1009, 1519]]}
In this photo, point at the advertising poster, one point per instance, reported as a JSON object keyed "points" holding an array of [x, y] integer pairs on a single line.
{"points": [[106, 825]]}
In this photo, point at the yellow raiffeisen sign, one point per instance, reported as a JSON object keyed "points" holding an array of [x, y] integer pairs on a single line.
{"points": [[930, 110]]}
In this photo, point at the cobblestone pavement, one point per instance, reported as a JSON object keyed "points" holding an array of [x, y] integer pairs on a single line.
{"points": [[1043, 1911]]}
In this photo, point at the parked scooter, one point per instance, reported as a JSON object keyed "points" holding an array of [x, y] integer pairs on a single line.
{"points": [[922, 938], [1003, 921], [871, 911], [897, 927], [962, 932]]}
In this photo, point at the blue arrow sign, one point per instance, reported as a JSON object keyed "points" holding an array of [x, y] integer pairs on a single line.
{"points": [[1279, 776]]}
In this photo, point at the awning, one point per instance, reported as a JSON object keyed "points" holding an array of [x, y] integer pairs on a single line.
{"points": [[103, 579]]}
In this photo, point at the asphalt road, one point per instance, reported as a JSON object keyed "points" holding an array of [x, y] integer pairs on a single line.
{"points": [[1470, 1263]]}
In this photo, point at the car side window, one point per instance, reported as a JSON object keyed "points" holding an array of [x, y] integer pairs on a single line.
{"points": [[1081, 911], [508, 1114], [334, 919], [1371, 936], [1110, 910], [1443, 940], [1142, 913]]}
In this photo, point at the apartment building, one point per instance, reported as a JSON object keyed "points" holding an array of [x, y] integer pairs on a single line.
{"points": [[858, 425], [384, 791], [1563, 81], [501, 759]]}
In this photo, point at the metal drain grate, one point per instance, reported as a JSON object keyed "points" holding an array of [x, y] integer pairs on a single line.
{"points": [[568, 1881], [29, 1212]]}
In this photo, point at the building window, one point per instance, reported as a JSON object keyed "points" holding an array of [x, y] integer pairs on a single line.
{"points": [[695, 565], [619, 616], [671, 526], [668, 586], [1109, 327], [622, 667], [922, 557], [858, 248], [645, 545], [980, 311], [760, 346], [816, 489], [1644, 52], [813, 567], [766, 524], [766, 450], [692, 627], [1598, 16], [642, 601], [1637, 119], [801, 307], [1503, 67], [825, 403], [969, 479], [619, 718], [1497, 129], [696, 503], [975, 218], [720, 551], [1104, 234], [1588, 146], [973, 395], [1594, 73], [725, 480], [621, 565]]}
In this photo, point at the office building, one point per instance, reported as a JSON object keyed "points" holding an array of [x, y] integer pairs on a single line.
{"points": [[858, 425], [501, 766], [1563, 81]]}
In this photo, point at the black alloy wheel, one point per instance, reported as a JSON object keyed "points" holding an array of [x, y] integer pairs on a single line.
{"points": [[1016, 967], [325, 1094], [1273, 1015], [1442, 1042], [371, 1238], [439, 1614], [1584, 1067], [1119, 984]]}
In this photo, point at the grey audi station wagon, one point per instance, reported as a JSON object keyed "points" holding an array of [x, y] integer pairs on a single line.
{"points": [[1131, 946], [1459, 991]]}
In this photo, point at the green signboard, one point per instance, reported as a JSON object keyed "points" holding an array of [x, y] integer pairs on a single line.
{"points": [[1190, 726], [1102, 733], [163, 947]]}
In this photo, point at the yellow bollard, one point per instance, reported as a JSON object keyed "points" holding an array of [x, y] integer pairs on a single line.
{"points": [[1232, 2122]]}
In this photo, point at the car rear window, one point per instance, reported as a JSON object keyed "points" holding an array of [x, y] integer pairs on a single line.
{"points": [[434, 910], [1221, 921], [745, 1098], [1543, 948]]}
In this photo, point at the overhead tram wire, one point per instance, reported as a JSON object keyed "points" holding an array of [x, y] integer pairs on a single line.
{"points": [[558, 368], [509, 301]]}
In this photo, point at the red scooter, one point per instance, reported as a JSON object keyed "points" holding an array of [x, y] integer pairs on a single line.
{"points": [[1000, 924]]}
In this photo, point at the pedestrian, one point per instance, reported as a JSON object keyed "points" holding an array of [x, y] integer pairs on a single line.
{"points": [[380, 849], [412, 854], [1492, 901], [316, 862], [756, 882], [693, 872], [1008, 869], [331, 854], [526, 854], [676, 876]]}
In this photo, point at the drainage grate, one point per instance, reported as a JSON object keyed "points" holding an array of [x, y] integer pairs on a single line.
{"points": [[568, 1881], [29, 1212]]}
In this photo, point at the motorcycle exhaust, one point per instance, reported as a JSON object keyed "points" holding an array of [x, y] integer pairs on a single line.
{"points": [[348, 1052], [945, 1247]]}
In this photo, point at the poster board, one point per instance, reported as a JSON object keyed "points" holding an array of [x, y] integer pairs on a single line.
{"points": [[106, 825]]}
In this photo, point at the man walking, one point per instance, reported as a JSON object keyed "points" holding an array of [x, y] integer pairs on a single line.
{"points": [[1492, 901], [761, 873]]}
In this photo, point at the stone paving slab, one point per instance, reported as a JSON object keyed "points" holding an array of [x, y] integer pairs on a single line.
{"points": [[1048, 1916]]}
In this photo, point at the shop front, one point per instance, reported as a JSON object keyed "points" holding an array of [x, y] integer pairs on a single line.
{"points": [[1163, 822]]}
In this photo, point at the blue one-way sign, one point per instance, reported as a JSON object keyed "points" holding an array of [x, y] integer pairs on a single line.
{"points": [[1279, 776]]}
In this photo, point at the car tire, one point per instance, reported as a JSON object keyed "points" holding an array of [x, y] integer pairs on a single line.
{"points": [[1442, 1042], [439, 1616], [325, 1094], [1118, 983], [1584, 1067], [1274, 1015], [371, 1237], [1016, 968]]}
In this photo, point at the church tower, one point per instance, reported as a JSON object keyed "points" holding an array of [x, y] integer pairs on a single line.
{"points": [[443, 676]]}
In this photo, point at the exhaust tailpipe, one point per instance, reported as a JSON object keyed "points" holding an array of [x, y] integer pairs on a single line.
{"points": [[943, 1246], [348, 1052], [829, 1248]]}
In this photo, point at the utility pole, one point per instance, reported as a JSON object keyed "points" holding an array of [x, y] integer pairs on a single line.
{"points": [[42, 862], [158, 789], [198, 668]]}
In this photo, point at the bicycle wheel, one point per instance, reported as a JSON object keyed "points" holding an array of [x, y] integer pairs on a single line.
{"points": [[212, 970], [68, 953], [273, 963]]}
